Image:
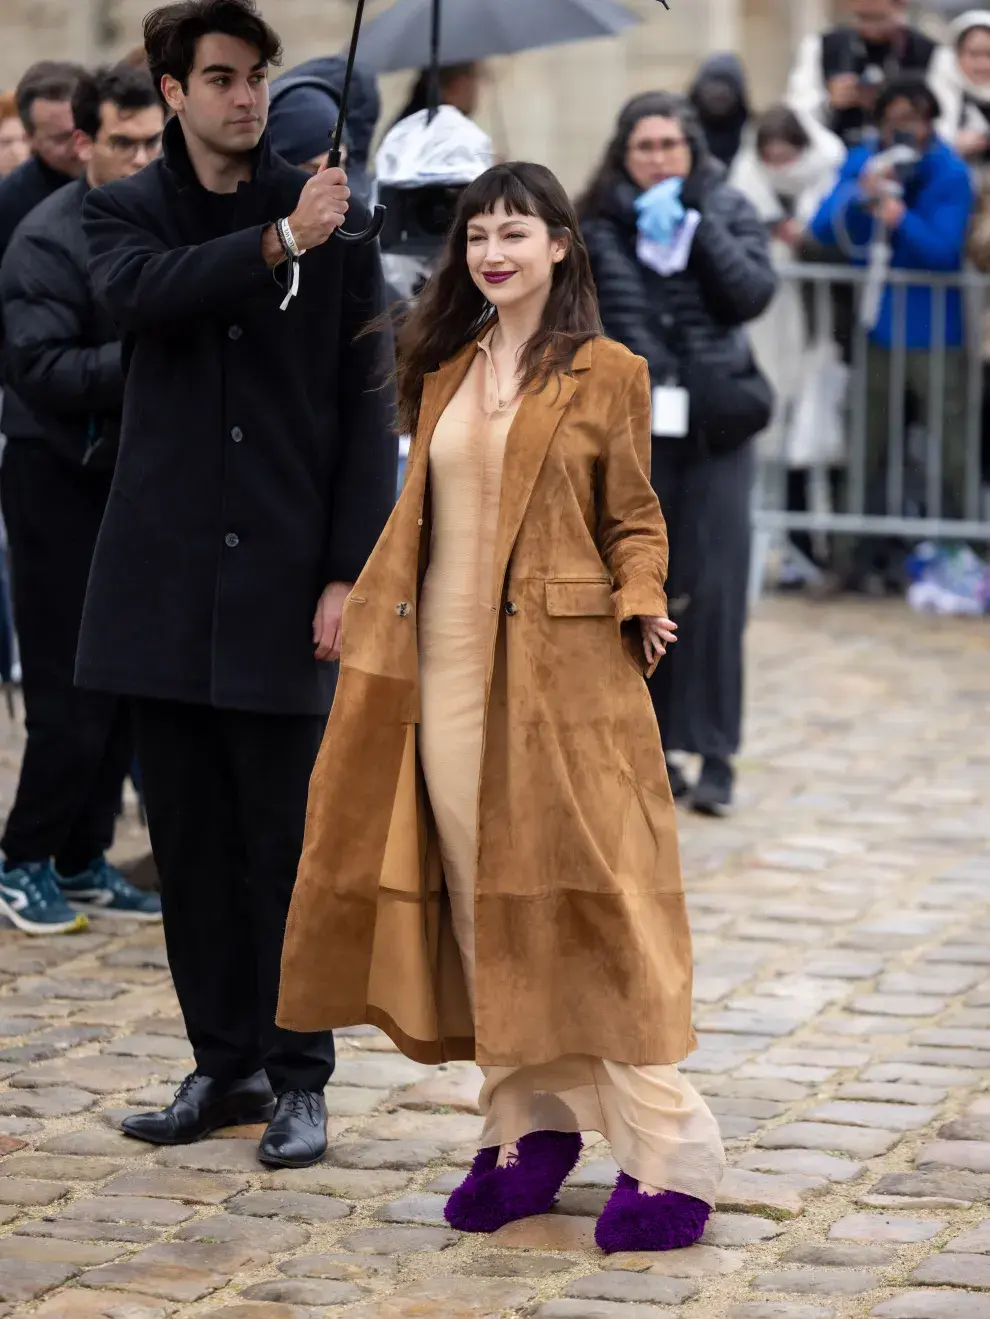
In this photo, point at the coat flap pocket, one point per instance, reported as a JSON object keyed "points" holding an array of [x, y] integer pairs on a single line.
{"points": [[579, 599]]}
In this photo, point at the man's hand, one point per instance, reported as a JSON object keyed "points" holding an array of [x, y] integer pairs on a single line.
{"points": [[326, 622], [875, 181], [891, 212], [658, 634], [845, 91], [321, 209]]}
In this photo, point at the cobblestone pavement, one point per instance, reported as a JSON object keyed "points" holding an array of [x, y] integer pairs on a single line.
{"points": [[843, 1005]]}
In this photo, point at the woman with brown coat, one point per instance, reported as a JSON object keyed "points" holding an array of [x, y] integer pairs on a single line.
{"points": [[491, 867]]}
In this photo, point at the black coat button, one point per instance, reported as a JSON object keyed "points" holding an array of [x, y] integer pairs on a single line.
{"points": [[511, 609], [234, 332], [231, 540], [237, 434]]}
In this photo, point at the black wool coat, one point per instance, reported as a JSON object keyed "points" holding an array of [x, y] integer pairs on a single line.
{"points": [[64, 376], [22, 190], [257, 457]]}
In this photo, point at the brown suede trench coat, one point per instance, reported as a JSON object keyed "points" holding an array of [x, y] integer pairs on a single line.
{"points": [[582, 937]]}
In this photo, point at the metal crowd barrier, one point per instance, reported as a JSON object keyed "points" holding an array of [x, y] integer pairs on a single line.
{"points": [[912, 461]]}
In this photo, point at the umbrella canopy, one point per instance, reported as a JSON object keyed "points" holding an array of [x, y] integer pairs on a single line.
{"points": [[475, 29]]}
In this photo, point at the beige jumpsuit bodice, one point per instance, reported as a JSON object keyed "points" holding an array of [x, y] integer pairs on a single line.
{"points": [[661, 1131]]}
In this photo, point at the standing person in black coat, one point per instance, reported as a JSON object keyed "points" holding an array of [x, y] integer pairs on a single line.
{"points": [[64, 394], [680, 269], [44, 103], [257, 469]]}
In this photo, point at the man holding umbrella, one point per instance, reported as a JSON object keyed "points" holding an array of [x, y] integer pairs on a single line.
{"points": [[256, 471]]}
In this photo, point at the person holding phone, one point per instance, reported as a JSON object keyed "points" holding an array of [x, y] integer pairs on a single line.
{"points": [[838, 74]]}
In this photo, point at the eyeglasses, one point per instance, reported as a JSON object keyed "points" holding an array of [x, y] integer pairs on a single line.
{"points": [[662, 146], [128, 147]]}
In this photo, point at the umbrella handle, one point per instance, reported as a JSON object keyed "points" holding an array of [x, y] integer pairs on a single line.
{"points": [[357, 236], [367, 235]]}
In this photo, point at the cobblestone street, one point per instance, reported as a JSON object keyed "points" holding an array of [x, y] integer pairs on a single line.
{"points": [[842, 934]]}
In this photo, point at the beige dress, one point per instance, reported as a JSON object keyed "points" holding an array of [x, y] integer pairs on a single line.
{"points": [[661, 1131]]}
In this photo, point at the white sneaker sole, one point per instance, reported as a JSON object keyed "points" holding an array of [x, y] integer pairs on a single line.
{"points": [[76, 926], [94, 909]]}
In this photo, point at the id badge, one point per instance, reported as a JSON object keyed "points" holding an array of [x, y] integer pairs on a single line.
{"points": [[671, 411]]}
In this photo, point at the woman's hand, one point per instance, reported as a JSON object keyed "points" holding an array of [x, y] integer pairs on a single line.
{"points": [[658, 634]]}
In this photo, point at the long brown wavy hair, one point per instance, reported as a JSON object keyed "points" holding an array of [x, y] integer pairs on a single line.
{"points": [[452, 310]]}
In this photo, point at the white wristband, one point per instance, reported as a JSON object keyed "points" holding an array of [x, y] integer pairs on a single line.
{"points": [[289, 238]]}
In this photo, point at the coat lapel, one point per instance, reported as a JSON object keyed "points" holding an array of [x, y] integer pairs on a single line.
{"points": [[526, 445], [439, 387]]}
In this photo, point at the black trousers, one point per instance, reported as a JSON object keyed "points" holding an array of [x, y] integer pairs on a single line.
{"points": [[79, 744], [697, 689], [225, 792]]}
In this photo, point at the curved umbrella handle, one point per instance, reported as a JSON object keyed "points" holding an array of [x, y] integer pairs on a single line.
{"points": [[366, 235]]}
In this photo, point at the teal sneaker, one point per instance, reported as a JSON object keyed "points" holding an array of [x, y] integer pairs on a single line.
{"points": [[30, 897], [104, 891]]}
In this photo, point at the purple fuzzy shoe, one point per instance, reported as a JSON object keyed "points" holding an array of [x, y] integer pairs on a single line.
{"points": [[489, 1197], [634, 1221]]}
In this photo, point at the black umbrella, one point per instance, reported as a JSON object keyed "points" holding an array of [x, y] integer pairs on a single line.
{"points": [[492, 27], [369, 234], [473, 30]]}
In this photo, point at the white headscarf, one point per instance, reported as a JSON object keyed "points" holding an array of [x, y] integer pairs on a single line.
{"points": [[973, 18]]}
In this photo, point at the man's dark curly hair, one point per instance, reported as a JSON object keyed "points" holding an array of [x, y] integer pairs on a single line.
{"points": [[121, 85], [172, 32]]}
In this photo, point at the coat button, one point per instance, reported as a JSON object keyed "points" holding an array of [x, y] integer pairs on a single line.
{"points": [[402, 608], [231, 540], [237, 434], [511, 609], [234, 332]]}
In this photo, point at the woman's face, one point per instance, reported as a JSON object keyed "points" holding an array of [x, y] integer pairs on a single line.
{"points": [[657, 149], [974, 56], [511, 257], [778, 155], [13, 145]]}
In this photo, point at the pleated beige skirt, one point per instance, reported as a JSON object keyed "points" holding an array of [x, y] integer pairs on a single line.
{"points": [[660, 1129]]}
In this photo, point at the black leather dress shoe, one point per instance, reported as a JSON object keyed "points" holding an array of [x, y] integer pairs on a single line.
{"points": [[202, 1105], [297, 1134]]}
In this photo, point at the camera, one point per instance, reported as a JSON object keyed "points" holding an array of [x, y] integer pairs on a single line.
{"points": [[417, 219]]}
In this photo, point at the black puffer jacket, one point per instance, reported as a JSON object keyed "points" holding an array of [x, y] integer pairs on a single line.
{"points": [[65, 383], [696, 316]]}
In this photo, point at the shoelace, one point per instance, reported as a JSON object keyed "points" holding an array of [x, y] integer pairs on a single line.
{"points": [[301, 1103], [185, 1086], [42, 889], [110, 878]]}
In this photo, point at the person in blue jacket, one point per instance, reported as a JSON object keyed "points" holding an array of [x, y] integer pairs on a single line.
{"points": [[924, 208]]}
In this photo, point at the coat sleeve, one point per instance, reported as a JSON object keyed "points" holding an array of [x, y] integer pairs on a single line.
{"points": [[632, 537], [731, 258], [806, 88], [622, 298], [45, 300], [842, 218], [936, 240], [365, 475], [147, 285]]}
